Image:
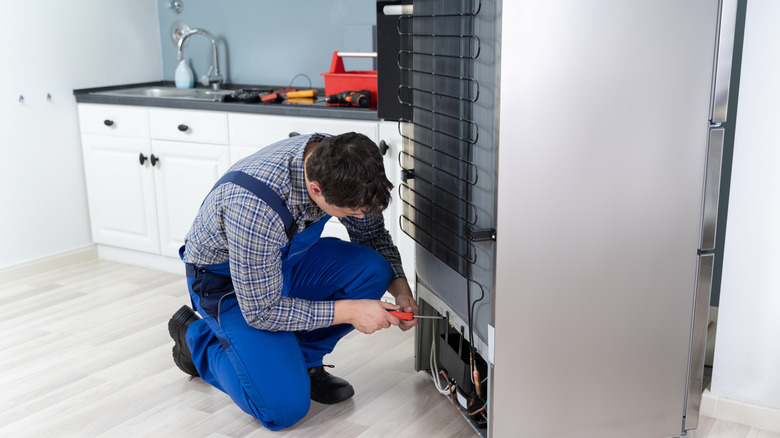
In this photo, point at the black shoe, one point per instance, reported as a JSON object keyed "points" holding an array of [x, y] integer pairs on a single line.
{"points": [[328, 389], [177, 327]]}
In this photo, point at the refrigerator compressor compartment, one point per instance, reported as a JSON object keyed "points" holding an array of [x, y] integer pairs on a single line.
{"points": [[444, 345], [453, 352]]}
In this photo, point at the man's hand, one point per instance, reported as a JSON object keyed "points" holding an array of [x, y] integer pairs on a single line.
{"points": [[366, 316], [399, 288]]}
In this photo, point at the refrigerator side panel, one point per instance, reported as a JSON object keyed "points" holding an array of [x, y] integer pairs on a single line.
{"points": [[604, 112]]}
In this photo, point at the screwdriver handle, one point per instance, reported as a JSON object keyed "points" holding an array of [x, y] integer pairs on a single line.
{"points": [[404, 316], [302, 93]]}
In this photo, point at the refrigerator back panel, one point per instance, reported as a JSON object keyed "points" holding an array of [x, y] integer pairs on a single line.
{"points": [[448, 58]]}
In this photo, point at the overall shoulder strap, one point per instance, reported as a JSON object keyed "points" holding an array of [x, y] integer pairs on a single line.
{"points": [[262, 191]]}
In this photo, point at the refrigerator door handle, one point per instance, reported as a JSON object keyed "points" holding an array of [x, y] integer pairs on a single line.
{"points": [[701, 309], [709, 220], [724, 54]]}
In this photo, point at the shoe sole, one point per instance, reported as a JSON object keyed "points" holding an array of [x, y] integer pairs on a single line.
{"points": [[343, 395], [180, 358]]}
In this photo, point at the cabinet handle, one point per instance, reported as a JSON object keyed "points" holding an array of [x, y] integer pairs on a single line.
{"points": [[154, 160], [183, 128], [383, 147], [108, 122], [141, 158], [294, 134]]}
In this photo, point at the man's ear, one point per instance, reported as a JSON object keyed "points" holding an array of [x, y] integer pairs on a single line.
{"points": [[314, 188]]}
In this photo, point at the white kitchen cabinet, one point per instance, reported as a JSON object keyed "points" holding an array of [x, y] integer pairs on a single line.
{"points": [[149, 169], [390, 141], [120, 189], [183, 177], [192, 126], [192, 152], [143, 192], [120, 184], [251, 132], [114, 120]]}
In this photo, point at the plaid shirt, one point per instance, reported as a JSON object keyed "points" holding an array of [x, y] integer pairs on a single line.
{"points": [[234, 225]]}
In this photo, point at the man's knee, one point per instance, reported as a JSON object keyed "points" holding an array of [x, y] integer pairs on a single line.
{"points": [[379, 270], [283, 409]]}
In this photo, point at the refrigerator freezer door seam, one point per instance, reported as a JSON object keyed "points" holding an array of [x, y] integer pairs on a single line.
{"points": [[709, 219], [701, 307], [723, 60]]}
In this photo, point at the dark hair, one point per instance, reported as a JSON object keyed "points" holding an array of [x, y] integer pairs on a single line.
{"points": [[349, 170]]}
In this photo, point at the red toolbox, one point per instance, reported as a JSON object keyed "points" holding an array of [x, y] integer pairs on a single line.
{"points": [[338, 79]]}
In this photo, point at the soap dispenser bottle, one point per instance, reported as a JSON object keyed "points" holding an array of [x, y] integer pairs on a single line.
{"points": [[184, 76]]}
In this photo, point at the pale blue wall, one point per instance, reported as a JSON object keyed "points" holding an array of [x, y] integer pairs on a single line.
{"points": [[270, 41]]}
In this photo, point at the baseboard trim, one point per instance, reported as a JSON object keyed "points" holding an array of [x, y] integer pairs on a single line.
{"points": [[724, 408], [146, 260], [46, 264]]}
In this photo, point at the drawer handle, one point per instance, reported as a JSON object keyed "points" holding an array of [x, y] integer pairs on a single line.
{"points": [[383, 147], [141, 158], [154, 160], [108, 122], [294, 134], [183, 128]]}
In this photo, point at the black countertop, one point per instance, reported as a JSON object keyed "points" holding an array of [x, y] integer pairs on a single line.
{"points": [[319, 109]]}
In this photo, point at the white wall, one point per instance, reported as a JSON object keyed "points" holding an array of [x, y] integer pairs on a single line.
{"points": [[747, 350], [55, 47]]}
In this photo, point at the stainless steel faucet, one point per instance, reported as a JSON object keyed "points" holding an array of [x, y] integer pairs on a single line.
{"points": [[216, 79]]}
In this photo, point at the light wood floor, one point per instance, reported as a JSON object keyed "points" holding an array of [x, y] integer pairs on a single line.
{"points": [[86, 353]]}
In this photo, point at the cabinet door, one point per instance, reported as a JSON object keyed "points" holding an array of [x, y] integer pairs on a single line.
{"points": [[252, 132], [260, 130], [120, 188], [239, 152], [191, 126], [184, 174], [113, 120]]}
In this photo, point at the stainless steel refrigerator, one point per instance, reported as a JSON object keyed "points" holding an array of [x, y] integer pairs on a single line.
{"points": [[595, 214], [609, 171]]}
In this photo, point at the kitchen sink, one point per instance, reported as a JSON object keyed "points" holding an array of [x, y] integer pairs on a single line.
{"points": [[162, 92]]}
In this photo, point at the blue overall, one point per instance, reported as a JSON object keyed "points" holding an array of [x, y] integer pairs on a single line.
{"points": [[265, 373]]}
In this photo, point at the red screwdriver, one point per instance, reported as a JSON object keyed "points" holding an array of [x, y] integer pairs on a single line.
{"points": [[408, 316]]}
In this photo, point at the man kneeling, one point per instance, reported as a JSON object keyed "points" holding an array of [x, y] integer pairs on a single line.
{"points": [[275, 297]]}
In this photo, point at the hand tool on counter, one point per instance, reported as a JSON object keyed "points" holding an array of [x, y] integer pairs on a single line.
{"points": [[307, 97], [360, 98], [278, 96], [272, 98], [302, 100], [408, 316], [301, 93], [246, 95]]}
